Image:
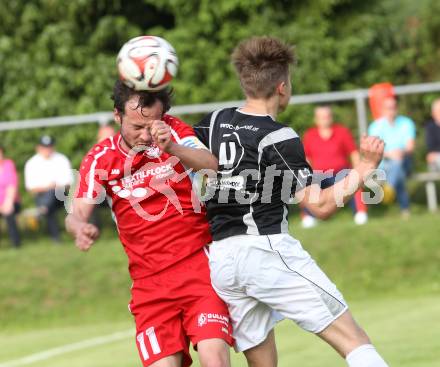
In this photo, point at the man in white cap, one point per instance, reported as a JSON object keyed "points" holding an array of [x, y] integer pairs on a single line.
{"points": [[43, 172]]}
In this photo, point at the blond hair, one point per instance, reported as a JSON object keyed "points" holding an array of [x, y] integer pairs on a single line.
{"points": [[261, 64]]}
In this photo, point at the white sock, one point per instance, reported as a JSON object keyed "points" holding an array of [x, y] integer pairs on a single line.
{"points": [[365, 356]]}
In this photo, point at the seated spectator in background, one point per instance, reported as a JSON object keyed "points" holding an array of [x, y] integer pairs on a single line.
{"points": [[9, 200], [398, 132], [43, 173], [330, 147], [432, 137]]}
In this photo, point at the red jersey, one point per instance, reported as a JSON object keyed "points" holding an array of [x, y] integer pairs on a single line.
{"points": [[332, 153], [158, 215]]}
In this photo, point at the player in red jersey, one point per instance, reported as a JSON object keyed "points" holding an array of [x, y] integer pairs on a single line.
{"points": [[161, 225]]}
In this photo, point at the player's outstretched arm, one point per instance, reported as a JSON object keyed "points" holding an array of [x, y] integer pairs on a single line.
{"points": [[77, 224], [196, 158], [323, 203]]}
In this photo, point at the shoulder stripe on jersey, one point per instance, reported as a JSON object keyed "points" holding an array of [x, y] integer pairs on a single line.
{"points": [[290, 169], [92, 173], [211, 127], [274, 137], [176, 137], [277, 136]]}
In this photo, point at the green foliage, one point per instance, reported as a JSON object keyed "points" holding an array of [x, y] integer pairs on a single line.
{"points": [[58, 57]]}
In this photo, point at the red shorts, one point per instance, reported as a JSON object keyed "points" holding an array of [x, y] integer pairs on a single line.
{"points": [[176, 306]]}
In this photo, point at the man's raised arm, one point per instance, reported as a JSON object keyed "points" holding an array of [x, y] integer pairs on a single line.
{"points": [[195, 155]]}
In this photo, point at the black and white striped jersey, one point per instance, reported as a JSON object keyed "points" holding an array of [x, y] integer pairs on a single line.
{"points": [[261, 163]]}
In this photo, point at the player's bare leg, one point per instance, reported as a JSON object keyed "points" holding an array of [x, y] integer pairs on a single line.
{"points": [[264, 354], [213, 353], [351, 342], [344, 334], [174, 360]]}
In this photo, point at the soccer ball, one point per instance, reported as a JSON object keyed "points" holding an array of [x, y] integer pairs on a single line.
{"points": [[147, 63]]}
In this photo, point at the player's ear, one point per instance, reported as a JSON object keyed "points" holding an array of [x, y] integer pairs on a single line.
{"points": [[117, 116], [281, 86]]}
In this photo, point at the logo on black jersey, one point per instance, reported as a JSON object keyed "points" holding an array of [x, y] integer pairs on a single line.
{"points": [[230, 153]]}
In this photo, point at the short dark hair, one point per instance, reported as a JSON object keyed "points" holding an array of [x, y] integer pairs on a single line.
{"points": [[261, 63], [122, 94]]}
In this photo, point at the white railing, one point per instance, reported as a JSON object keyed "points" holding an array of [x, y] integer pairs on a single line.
{"points": [[359, 96]]}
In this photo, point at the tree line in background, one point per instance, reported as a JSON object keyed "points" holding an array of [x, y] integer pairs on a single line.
{"points": [[58, 57]]}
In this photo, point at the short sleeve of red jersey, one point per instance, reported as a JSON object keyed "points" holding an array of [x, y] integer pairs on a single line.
{"points": [[183, 134], [92, 175]]}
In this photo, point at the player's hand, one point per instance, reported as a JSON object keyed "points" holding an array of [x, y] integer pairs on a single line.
{"points": [[371, 150], [161, 134], [85, 236]]}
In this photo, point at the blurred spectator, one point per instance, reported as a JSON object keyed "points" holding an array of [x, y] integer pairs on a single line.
{"points": [[432, 130], [9, 200], [377, 94], [330, 147], [398, 133], [43, 173], [105, 131]]}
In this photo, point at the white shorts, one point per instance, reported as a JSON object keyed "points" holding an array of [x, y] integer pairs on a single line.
{"points": [[264, 279]]}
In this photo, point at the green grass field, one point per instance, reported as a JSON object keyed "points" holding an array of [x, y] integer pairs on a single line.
{"points": [[56, 297]]}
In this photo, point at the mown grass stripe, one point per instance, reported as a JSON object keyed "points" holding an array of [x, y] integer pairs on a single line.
{"points": [[50, 353]]}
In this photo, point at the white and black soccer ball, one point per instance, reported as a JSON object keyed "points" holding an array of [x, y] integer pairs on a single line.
{"points": [[147, 63]]}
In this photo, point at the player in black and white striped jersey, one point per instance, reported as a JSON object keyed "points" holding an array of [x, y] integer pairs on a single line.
{"points": [[260, 271]]}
